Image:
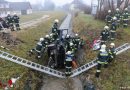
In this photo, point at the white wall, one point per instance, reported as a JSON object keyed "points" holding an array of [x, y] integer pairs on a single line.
{"points": [[29, 11], [4, 14], [17, 12]]}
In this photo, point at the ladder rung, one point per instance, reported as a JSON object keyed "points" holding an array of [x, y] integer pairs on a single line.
{"points": [[5, 54], [46, 69], [38, 66], [10, 56], [33, 64], [79, 69], [86, 65], [42, 67], [24, 61], [90, 63], [14, 58], [59, 73], [83, 67], [19, 59], [29, 63]]}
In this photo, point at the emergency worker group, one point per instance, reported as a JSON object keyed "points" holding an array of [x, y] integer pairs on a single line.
{"points": [[11, 22], [66, 54], [114, 20]]}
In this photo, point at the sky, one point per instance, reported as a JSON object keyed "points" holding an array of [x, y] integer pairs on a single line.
{"points": [[57, 2]]}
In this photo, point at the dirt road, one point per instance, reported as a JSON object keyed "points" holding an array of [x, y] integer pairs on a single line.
{"points": [[34, 23]]}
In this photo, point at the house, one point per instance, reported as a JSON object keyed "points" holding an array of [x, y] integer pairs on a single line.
{"points": [[4, 8], [20, 8]]}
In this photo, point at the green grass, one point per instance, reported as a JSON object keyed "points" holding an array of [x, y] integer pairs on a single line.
{"points": [[9, 69], [118, 73]]}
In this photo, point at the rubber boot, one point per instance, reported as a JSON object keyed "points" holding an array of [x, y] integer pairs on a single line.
{"points": [[97, 74]]}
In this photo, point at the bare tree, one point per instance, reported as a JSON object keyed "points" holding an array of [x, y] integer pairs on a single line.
{"points": [[126, 3]]}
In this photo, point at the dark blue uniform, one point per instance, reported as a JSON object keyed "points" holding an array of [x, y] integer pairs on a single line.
{"points": [[112, 54], [103, 57], [16, 22], [113, 30], [104, 36]]}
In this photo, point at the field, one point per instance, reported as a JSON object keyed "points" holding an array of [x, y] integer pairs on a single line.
{"points": [[29, 39], [117, 75], [34, 15]]}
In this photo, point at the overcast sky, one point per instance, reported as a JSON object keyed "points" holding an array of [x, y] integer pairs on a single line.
{"points": [[57, 2]]}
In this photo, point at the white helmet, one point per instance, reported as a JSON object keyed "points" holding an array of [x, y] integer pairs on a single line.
{"points": [[47, 36], [56, 21], [71, 44], [117, 9], [109, 11], [106, 28], [114, 18], [76, 35], [8, 13], [41, 39], [67, 36], [126, 9], [51, 35], [15, 14], [69, 52], [103, 47], [112, 44]]}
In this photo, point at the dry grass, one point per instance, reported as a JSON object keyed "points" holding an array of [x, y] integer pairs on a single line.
{"points": [[29, 36], [118, 73]]}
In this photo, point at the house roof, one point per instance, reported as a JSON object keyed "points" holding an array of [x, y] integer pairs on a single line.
{"points": [[20, 5], [3, 1]]}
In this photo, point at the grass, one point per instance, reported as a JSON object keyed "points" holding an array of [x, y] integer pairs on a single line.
{"points": [[118, 73], [9, 69], [35, 15]]}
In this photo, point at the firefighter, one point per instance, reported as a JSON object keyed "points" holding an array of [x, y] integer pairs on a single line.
{"points": [[47, 40], [9, 21], [72, 47], [109, 18], [125, 18], [55, 26], [16, 21], [68, 63], [118, 17], [67, 41], [113, 28], [40, 47], [112, 52], [105, 35], [52, 38], [56, 22], [76, 41], [102, 59]]}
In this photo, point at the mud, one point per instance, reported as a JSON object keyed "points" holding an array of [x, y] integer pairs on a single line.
{"points": [[61, 84], [9, 39]]}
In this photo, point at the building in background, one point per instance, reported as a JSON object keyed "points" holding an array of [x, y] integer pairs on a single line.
{"points": [[4, 8], [20, 8]]}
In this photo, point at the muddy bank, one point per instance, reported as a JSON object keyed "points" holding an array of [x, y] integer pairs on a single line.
{"points": [[50, 83]]}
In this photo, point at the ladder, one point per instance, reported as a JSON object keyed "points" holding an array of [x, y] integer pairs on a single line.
{"points": [[53, 72], [93, 63], [31, 64]]}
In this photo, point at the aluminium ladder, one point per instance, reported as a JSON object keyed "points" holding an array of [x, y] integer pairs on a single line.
{"points": [[93, 63], [53, 72]]}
